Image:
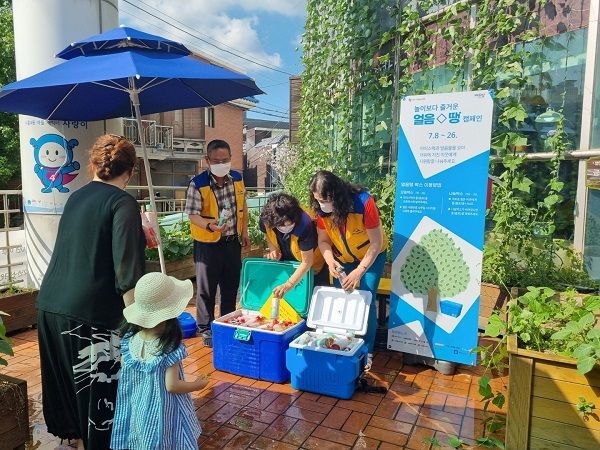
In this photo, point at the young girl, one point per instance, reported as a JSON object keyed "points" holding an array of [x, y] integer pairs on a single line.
{"points": [[154, 409]]}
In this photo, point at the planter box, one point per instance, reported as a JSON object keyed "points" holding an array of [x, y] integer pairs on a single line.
{"points": [[492, 297], [14, 416], [543, 393], [21, 308], [181, 269]]}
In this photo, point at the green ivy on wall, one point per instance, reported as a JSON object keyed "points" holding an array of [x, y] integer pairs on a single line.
{"points": [[362, 56]]}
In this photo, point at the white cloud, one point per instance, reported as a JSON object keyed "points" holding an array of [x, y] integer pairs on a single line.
{"points": [[213, 18], [283, 7]]}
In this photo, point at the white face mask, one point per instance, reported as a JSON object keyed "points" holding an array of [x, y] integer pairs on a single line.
{"points": [[326, 207], [220, 170], [285, 229]]}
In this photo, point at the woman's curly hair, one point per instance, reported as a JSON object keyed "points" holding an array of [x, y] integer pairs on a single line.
{"points": [[280, 208], [111, 156], [330, 186]]}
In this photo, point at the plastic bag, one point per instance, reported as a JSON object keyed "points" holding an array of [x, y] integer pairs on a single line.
{"points": [[149, 231]]}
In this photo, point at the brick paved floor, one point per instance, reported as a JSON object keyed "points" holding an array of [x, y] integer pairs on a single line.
{"points": [[239, 413]]}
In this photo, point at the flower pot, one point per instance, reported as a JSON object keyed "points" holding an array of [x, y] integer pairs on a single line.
{"points": [[543, 392], [181, 269], [14, 415], [21, 307]]}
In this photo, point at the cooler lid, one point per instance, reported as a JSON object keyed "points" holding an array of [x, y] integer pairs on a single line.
{"points": [[260, 276], [333, 310]]}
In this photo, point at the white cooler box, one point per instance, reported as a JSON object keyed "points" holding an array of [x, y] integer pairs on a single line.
{"points": [[336, 314]]}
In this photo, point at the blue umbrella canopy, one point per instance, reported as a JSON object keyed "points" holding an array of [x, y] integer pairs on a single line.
{"points": [[122, 37], [99, 87]]}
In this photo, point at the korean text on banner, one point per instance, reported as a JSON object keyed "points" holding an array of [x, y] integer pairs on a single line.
{"points": [[443, 158]]}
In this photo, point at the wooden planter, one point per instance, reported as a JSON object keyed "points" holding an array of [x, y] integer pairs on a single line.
{"points": [[543, 393], [14, 416], [181, 269], [21, 308], [492, 297]]}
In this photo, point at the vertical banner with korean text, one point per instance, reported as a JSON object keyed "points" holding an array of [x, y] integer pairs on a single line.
{"points": [[443, 158]]}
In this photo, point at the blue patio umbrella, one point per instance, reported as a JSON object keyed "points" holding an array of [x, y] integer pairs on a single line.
{"points": [[120, 73]]}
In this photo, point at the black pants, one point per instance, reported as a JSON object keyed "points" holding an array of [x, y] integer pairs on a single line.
{"points": [[217, 264], [80, 370]]}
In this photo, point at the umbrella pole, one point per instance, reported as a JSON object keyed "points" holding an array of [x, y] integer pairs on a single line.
{"points": [[133, 94]]}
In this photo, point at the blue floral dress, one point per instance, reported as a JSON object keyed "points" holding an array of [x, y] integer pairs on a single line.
{"points": [[147, 416]]}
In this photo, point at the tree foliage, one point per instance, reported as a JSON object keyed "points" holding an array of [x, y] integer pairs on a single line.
{"points": [[9, 124]]}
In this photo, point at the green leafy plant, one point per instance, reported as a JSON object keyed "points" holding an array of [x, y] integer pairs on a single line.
{"points": [[584, 408], [177, 242], [545, 322], [5, 342], [13, 289], [455, 442], [434, 442], [9, 123], [257, 237]]}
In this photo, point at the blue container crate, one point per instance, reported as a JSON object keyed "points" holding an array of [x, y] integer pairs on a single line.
{"points": [[187, 324], [325, 373], [253, 353]]}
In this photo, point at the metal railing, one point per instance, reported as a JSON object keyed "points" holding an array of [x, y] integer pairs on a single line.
{"points": [[171, 199], [11, 221], [156, 136]]}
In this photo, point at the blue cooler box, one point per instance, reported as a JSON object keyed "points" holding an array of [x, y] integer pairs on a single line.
{"points": [[325, 371], [256, 353]]}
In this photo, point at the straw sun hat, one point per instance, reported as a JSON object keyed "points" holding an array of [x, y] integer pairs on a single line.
{"points": [[158, 297]]}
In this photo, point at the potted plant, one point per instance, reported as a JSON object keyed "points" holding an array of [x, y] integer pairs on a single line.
{"points": [[178, 248], [14, 415], [19, 305], [553, 346]]}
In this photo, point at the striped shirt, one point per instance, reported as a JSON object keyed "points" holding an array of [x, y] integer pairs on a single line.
{"points": [[224, 194], [147, 416]]}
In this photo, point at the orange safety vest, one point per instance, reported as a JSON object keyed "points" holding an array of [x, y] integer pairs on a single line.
{"points": [[299, 229], [352, 245], [210, 208]]}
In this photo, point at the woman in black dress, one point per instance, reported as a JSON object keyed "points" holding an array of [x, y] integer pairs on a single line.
{"points": [[98, 257]]}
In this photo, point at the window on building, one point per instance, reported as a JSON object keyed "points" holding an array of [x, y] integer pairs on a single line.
{"points": [[172, 173], [209, 117], [595, 138], [591, 251], [539, 173], [555, 68]]}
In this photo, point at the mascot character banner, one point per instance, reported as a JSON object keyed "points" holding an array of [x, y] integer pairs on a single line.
{"points": [[54, 159], [443, 158]]}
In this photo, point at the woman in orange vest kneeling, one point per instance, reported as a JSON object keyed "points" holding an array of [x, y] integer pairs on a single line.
{"points": [[351, 237], [292, 236]]}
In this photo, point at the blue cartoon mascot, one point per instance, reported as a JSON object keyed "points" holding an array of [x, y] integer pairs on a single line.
{"points": [[54, 161]]}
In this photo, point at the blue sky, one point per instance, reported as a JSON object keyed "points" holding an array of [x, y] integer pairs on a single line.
{"points": [[264, 31]]}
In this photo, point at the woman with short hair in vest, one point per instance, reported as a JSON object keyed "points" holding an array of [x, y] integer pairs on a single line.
{"points": [[292, 236], [351, 237], [216, 206]]}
